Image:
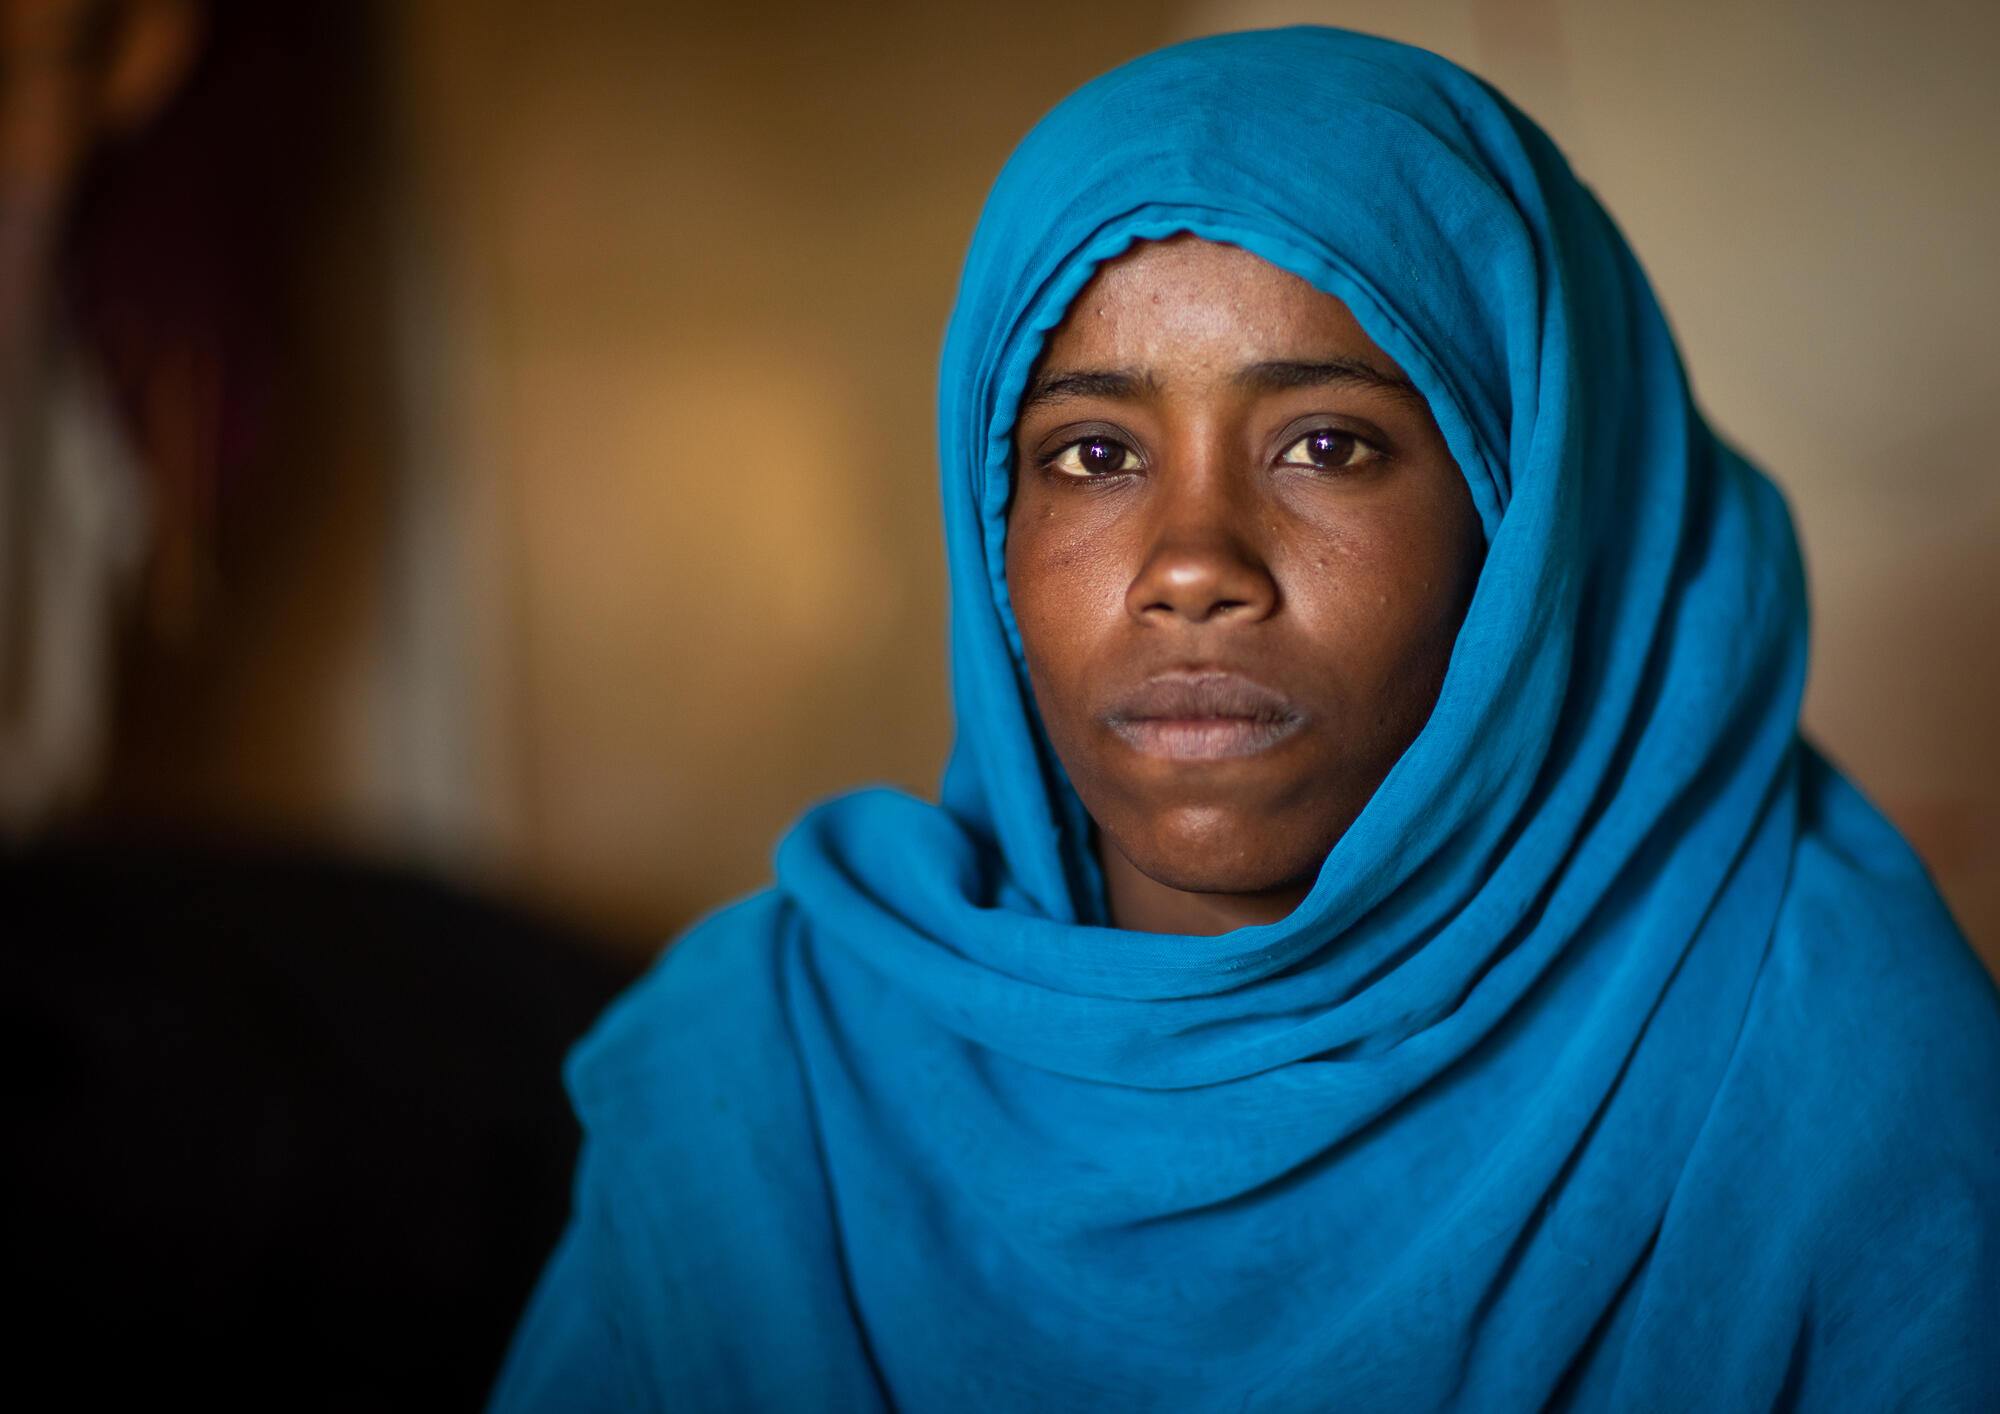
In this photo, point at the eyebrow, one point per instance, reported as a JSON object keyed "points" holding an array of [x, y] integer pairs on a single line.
{"points": [[1273, 376], [1280, 375], [1116, 384]]}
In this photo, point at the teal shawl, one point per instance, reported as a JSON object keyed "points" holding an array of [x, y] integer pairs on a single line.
{"points": [[1622, 1057]]}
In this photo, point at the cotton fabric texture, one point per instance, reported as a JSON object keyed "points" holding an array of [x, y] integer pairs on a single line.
{"points": [[1621, 1058]]}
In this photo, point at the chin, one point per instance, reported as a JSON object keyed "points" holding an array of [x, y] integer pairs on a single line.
{"points": [[1206, 864]]}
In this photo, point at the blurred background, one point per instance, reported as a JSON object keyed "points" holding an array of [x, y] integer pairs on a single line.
{"points": [[466, 483]]}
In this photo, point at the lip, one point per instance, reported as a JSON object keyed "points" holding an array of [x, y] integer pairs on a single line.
{"points": [[1203, 715]]}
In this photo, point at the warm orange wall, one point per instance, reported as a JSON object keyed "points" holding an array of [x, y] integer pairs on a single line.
{"points": [[684, 272], [710, 254]]}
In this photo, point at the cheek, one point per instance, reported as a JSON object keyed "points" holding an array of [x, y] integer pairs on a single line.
{"points": [[1036, 573], [1065, 587], [1389, 589]]}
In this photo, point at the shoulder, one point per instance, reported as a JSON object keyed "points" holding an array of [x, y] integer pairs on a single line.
{"points": [[1866, 1073], [1847, 1176], [699, 1036], [1868, 1087], [702, 1218], [1884, 1011]]}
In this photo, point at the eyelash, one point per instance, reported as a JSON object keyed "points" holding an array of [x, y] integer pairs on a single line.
{"points": [[1072, 452], [1361, 452]]}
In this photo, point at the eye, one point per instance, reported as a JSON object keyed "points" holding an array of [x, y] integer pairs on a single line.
{"points": [[1328, 449], [1094, 456]]}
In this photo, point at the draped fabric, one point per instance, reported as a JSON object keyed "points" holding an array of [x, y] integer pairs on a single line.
{"points": [[1621, 1056]]}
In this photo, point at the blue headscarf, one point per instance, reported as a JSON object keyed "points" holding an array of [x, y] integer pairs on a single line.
{"points": [[1620, 1056]]}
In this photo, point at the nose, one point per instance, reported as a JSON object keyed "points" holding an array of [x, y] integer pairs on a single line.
{"points": [[1203, 559]]}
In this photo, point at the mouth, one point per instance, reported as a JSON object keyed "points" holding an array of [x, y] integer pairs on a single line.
{"points": [[1203, 716]]}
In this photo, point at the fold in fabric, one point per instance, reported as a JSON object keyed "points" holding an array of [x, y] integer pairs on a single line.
{"points": [[1620, 1058]]}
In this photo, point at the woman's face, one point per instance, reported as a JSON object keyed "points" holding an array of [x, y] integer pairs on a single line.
{"points": [[1238, 552]]}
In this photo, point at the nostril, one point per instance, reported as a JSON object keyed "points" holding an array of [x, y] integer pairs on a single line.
{"points": [[1200, 596]]}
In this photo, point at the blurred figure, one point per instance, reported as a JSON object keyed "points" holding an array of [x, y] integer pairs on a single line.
{"points": [[74, 509], [289, 1124]]}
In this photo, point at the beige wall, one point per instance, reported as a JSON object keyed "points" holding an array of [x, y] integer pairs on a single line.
{"points": [[1811, 187], [676, 281]]}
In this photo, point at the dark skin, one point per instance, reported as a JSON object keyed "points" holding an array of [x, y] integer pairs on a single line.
{"points": [[1239, 552]]}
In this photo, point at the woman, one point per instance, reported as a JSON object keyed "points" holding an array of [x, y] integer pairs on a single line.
{"points": [[1382, 943]]}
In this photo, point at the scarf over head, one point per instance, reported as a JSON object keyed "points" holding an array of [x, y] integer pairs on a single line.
{"points": [[1620, 1057]]}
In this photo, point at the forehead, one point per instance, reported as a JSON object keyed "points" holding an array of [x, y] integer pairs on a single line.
{"points": [[1187, 301]]}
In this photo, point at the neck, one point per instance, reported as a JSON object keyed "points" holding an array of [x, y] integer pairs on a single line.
{"points": [[1143, 904]]}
